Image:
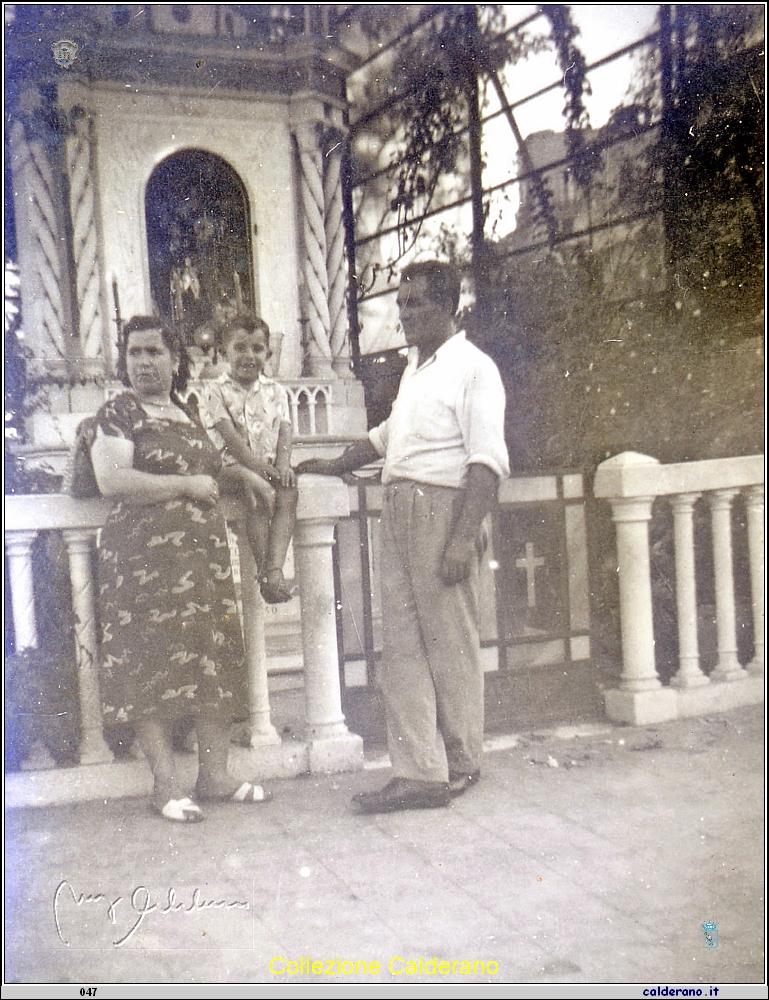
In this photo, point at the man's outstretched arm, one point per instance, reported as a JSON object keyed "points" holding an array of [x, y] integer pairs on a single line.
{"points": [[355, 457]]}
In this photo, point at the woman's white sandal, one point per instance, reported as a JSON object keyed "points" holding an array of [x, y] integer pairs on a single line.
{"points": [[180, 811]]}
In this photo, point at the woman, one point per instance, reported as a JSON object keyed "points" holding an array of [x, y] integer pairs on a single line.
{"points": [[171, 645]]}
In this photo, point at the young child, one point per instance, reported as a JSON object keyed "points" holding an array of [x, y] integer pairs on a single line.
{"points": [[247, 416]]}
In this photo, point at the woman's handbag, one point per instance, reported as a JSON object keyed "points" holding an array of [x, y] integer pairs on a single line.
{"points": [[80, 479]]}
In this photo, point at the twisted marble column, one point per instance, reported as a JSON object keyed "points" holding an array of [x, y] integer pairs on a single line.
{"points": [[315, 271], [44, 305], [335, 264], [84, 234]]}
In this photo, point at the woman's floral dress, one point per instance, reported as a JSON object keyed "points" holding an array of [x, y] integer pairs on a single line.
{"points": [[171, 637]]}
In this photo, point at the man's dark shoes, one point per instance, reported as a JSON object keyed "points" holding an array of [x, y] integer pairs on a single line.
{"points": [[404, 793], [460, 781]]}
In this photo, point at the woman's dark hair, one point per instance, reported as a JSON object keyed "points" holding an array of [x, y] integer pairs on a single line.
{"points": [[172, 340], [243, 321]]}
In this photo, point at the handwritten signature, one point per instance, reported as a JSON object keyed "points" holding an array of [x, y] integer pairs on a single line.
{"points": [[139, 905]]}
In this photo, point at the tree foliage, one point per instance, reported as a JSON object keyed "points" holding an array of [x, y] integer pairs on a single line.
{"points": [[711, 148], [594, 372], [425, 114]]}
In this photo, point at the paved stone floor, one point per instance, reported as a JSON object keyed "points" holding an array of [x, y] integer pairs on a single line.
{"points": [[587, 856]]}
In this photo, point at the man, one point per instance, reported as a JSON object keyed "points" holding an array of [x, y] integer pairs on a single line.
{"points": [[444, 453]]}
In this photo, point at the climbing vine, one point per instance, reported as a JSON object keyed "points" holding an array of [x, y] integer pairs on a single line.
{"points": [[437, 70], [573, 65]]}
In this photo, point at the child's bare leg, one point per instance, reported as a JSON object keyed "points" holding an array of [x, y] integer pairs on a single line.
{"points": [[281, 526], [258, 530], [256, 495], [281, 529], [237, 479], [231, 480]]}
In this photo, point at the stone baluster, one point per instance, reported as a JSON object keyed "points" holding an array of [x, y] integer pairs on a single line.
{"points": [[331, 747], [640, 697], [18, 547], [293, 404], [313, 226], [754, 501], [261, 731], [689, 673], [93, 748], [631, 517], [728, 667]]}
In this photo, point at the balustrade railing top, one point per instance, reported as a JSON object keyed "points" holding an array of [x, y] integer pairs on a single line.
{"points": [[632, 475], [631, 483]]}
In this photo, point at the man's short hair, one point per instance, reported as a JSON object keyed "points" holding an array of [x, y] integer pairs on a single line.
{"points": [[442, 280]]}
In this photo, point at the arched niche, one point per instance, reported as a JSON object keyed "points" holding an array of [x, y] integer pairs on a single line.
{"points": [[199, 242]]}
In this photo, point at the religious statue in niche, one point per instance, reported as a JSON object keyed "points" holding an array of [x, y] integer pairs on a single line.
{"points": [[198, 235], [185, 292]]}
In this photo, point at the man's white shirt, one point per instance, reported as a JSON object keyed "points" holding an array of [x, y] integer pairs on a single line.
{"points": [[449, 414]]}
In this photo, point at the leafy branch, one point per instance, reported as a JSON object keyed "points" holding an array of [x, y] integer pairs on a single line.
{"points": [[573, 65]]}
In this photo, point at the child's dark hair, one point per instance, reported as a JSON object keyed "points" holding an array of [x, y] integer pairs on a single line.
{"points": [[243, 321]]}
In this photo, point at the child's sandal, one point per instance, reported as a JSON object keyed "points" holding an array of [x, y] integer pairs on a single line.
{"points": [[274, 588]]}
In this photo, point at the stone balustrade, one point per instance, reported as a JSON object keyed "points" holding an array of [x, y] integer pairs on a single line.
{"points": [[326, 408], [328, 745], [631, 483], [310, 405]]}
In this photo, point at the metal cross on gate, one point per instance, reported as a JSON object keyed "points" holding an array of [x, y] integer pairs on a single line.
{"points": [[531, 564]]}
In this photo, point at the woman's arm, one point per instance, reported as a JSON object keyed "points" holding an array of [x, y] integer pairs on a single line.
{"points": [[112, 459]]}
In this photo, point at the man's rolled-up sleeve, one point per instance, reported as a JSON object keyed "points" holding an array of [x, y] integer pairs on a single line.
{"points": [[378, 436], [481, 415]]}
